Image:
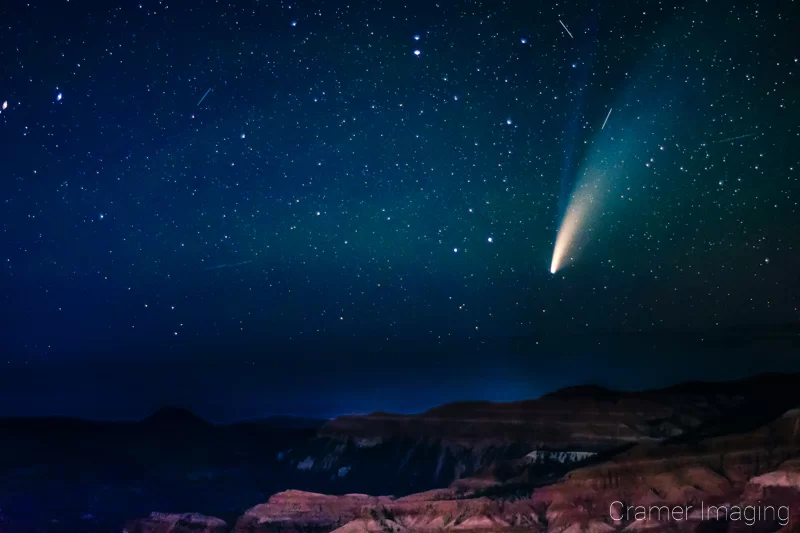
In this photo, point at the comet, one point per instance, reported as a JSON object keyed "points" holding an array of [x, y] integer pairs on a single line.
{"points": [[566, 234], [581, 209]]}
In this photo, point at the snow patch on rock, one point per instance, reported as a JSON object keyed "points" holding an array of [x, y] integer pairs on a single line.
{"points": [[306, 464], [542, 456]]}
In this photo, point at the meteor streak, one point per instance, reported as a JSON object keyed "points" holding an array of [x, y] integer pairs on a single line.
{"points": [[204, 97], [739, 137], [568, 33], [606, 120], [228, 265]]}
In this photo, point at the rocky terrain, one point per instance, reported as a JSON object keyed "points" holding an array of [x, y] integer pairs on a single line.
{"points": [[552, 465], [756, 469], [177, 523], [384, 453], [723, 445]]}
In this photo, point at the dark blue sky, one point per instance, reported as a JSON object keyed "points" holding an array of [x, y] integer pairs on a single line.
{"points": [[226, 382], [364, 176]]}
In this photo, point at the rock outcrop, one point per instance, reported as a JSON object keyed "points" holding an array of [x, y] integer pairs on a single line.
{"points": [[297, 511], [302, 512], [555, 465], [177, 523], [707, 478], [560, 430], [727, 470]]}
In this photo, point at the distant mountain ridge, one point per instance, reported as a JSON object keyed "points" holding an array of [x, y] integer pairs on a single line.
{"points": [[387, 453], [729, 444], [480, 460], [175, 417], [612, 417], [757, 468]]}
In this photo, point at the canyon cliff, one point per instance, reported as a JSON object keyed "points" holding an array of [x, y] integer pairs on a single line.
{"points": [[557, 464]]}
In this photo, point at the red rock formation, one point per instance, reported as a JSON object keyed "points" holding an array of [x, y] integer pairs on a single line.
{"points": [[390, 453], [713, 471], [760, 467], [298, 511], [689, 445], [176, 523]]}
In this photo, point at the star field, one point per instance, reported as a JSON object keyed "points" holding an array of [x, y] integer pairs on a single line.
{"points": [[239, 174]]}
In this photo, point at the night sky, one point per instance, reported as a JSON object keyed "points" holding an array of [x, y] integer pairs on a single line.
{"points": [[312, 207]]}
